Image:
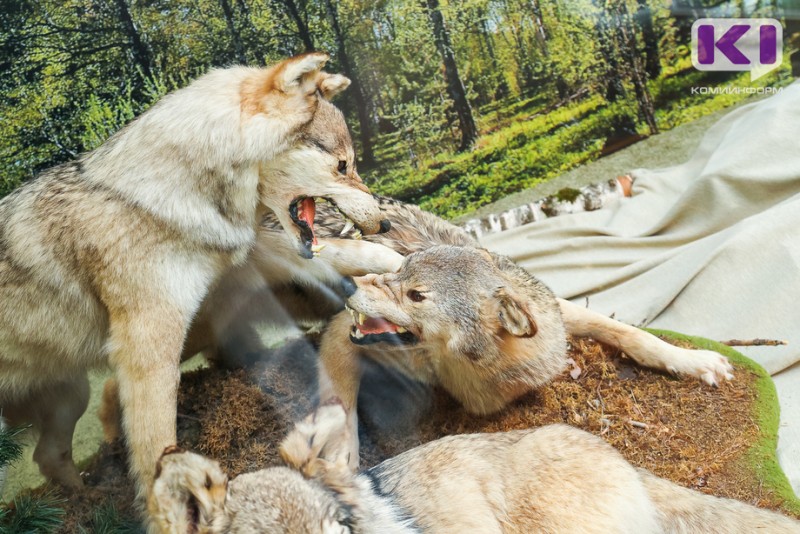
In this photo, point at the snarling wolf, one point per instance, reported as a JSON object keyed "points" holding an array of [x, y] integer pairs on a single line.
{"points": [[109, 257], [555, 479], [444, 312]]}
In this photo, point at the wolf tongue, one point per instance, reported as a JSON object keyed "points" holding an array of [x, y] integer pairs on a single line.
{"points": [[376, 325], [307, 210]]}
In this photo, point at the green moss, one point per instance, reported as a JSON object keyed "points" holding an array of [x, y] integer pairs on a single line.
{"points": [[761, 459], [567, 194]]}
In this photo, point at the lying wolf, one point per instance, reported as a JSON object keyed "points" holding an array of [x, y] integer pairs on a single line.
{"points": [[108, 258], [453, 314], [555, 479], [444, 312]]}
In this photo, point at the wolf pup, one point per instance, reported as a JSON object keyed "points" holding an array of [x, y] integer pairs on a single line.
{"points": [[107, 258], [555, 479]]}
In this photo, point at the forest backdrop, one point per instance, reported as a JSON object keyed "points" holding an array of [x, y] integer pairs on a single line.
{"points": [[454, 103]]}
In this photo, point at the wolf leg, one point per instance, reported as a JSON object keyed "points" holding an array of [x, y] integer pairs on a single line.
{"points": [[146, 356], [340, 376], [54, 412], [356, 257], [110, 412], [646, 349]]}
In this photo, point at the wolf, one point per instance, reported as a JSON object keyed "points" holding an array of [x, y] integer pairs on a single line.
{"points": [[108, 258], [442, 311], [556, 479]]}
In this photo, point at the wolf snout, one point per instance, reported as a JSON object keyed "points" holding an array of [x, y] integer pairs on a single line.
{"points": [[348, 286]]}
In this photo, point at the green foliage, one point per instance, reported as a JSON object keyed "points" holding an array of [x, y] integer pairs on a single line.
{"points": [[10, 447], [32, 515], [107, 520], [76, 71], [27, 514]]}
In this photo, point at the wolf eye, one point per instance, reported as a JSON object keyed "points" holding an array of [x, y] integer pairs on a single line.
{"points": [[415, 295], [342, 166]]}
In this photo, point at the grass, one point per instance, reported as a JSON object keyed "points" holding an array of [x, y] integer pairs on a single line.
{"points": [[527, 141]]}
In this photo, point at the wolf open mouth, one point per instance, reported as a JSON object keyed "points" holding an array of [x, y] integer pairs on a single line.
{"points": [[303, 210], [369, 330]]}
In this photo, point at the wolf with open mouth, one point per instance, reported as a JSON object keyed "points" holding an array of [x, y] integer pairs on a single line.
{"points": [[444, 311], [107, 259], [429, 302]]}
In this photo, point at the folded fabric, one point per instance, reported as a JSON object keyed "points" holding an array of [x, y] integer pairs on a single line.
{"points": [[710, 247]]}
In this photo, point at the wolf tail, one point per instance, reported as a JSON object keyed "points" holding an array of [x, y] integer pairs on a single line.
{"points": [[684, 511]]}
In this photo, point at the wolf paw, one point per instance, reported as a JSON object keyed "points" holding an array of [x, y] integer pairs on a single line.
{"points": [[709, 366], [316, 440]]}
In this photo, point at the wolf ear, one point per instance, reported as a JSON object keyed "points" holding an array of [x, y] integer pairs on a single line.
{"points": [[513, 314], [331, 85], [300, 71]]}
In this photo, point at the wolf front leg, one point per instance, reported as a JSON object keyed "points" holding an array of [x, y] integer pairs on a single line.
{"points": [[340, 378], [646, 349], [146, 348], [351, 257]]}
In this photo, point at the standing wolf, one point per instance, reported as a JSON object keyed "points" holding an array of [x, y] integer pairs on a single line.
{"points": [[109, 257]]}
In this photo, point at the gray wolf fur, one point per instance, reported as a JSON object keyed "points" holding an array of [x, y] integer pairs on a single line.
{"points": [[483, 328], [109, 257], [555, 479]]}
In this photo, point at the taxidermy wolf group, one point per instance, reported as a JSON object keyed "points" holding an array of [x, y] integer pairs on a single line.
{"points": [[128, 254]]}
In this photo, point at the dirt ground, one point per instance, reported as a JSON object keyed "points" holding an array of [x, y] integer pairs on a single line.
{"points": [[680, 429]]}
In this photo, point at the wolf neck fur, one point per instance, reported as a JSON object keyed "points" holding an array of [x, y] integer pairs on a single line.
{"points": [[215, 174], [380, 513]]}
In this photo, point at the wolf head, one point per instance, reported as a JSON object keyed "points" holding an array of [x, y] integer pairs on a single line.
{"points": [[320, 161], [478, 314]]}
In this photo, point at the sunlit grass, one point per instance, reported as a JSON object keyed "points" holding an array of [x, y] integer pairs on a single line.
{"points": [[523, 142]]}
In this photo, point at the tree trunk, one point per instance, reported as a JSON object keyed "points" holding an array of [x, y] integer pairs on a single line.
{"points": [[236, 37], [455, 87], [644, 19], [365, 127], [487, 41], [562, 88], [622, 125], [139, 50], [302, 27], [541, 31], [628, 47]]}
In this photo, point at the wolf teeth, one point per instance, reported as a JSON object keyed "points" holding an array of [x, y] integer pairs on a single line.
{"points": [[353, 315], [357, 234], [361, 318], [317, 248], [357, 334], [347, 227], [401, 330]]}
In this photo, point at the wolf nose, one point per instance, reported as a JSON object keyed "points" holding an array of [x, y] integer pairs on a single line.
{"points": [[348, 286], [385, 226]]}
